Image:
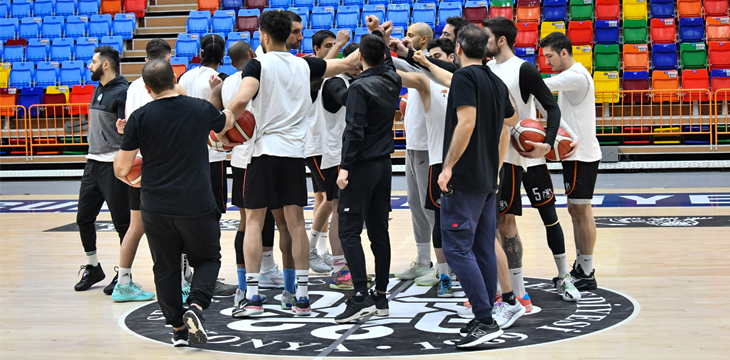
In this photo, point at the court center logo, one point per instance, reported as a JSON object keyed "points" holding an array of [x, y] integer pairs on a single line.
{"points": [[420, 323]]}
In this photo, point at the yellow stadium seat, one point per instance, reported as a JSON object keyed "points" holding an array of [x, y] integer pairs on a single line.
{"points": [[607, 81], [547, 28], [59, 90], [635, 9], [667, 139], [4, 74], [584, 55]]}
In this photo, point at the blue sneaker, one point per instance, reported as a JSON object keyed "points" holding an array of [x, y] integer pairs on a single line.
{"points": [[130, 292], [248, 308], [185, 292], [302, 308], [444, 289]]}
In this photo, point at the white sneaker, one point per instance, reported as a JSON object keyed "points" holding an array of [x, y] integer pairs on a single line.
{"points": [[271, 278], [316, 263], [415, 270], [238, 297], [507, 314], [466, 313], [430, 279], [327, 258], [566, 288], [187, 270]]}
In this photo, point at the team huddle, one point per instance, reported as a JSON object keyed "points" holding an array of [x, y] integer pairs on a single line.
{"points": [[335, 116]]}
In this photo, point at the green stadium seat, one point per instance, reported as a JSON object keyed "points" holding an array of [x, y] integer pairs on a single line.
{"points": [[635, 31], [606, 57], [693, 55], [608, 140], [580, 10]]}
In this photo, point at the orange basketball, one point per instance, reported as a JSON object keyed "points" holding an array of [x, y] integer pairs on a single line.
{"points": [[215, 144], [560, 147], [527, 129], [402, 105], [135, 175], [243, 128]]}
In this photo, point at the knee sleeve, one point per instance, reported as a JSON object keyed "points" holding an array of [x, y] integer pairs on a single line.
{"points": [[555, 237], [238, 244], [267, 233]]}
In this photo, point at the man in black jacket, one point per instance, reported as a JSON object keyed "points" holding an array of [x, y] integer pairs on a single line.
{"points": [[366, 171]]}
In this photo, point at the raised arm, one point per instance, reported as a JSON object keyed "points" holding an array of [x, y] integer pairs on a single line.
{"points": [[343, 36], [416, 81], [443, 76]]}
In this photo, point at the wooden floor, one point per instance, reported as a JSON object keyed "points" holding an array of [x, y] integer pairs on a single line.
{"points": [[679, 276]]}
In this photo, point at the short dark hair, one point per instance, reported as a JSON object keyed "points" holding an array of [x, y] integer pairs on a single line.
{"points": [[276, 24], [473, 41], [110, 54], [239, 51], [320, 36], [349, 49], [500, 26], [158, 75], [458, 22], [372, 48], [293, 16], [212, 49], [158, 49], [445, 44], [557, 42]]}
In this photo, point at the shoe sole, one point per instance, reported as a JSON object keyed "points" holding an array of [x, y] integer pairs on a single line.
{"points": [[342, 287], [445, 295], [302, 312], [196, 333], [421, 283], [92, 284], [514, 318], [382, 312], [180, 343], [270, 286], [481, 340], [363, 313], [129, 299], [248, 312]]}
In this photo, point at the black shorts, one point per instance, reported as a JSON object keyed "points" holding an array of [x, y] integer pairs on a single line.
{"points": [[134, 194], [219, 183], [238, 181], [313, 163], [537, 183], [330, 182], [274, 182], [433, 195], [580, 180]]}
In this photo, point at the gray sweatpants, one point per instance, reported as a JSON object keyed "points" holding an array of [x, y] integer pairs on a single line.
{"points": [[417, 188]]}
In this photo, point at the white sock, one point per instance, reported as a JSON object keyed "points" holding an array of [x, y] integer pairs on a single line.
{"points": [[313, 237], [517, 281], [338, 262], [302, 283], [586, 263], [252, 285], [443, 268], [424, 253], [561, 261], [322, 242], [182, 277], [91, 258], [267, 260], [125, 276]]}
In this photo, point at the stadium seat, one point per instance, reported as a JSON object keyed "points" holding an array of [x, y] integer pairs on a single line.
{"points": [[691, 30], [236, 36], [307, 47], [28, 97], [425, 13], [555, 10], [385, 2], [663, 135], [608, 82], [223, 21], [87, 78], [689, 8], [208, 5], [348, 17], [580, 32], [198, 24], [633, 81], [526, 10], [37, 50], [227, 69], [720, 79], [8, 28], [637, 140], [359, 32], [527, 54], [21, 74], [65, 7], [716, 7], [179, 65], [635, 31], [328, 3], [607, 9], [29, 28], [542, 64], [695, 79], [56, 95], [309, 4], [606, 57], [665, 80], [476, 11], [664, 56], [4, 74], [547, 28], [280, 4], [663, 31], [693, 55], [123, 25], [255, 41], [661, 9], [114, 41], [399, 14], [98, 26], [187, 45], [43, 8], [584, 55], [137, 7], [85, 48], [14, 53], [76, 26], [111, 6], [373, 9], [581, 10], [718, 28], [358, 3], [12, 42], [248, 20], [636, 57], [80, 94], [634, 9], [88, 7], [448, 9], [231, 4], [257, 4], [71, 72], [719, 55], [499, 8], [527, 35], [20, 9], [607, 32], [47, 74], [62, 49], [8, 99], [52, 27]]}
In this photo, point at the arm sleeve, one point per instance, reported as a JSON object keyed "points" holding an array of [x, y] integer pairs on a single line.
{"points": [[388, 58], [334, 94], [122, 104], [252, 69], [317, 67], [130, 140], [357, 106], [217, 118], [531, 84]]}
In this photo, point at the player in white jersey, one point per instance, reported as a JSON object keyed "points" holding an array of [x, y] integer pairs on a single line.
{"points": [[576, 98], [277, 86], [295, 38]]}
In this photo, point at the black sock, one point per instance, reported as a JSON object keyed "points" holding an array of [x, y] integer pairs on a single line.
{"points": [[509, 298], [486, 321], [359, 297]]}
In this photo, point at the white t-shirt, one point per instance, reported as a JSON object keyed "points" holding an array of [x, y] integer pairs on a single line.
{"points": [[333, 126], [315, 128], [435, 122], [415, 122], [576, 99], [195, 83], [241, 154], [259, 51]]}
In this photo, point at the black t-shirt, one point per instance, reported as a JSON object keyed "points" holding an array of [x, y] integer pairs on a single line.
{"points": [[172, 134], [477, 86]]}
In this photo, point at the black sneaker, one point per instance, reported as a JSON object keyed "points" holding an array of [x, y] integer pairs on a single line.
{"points": [[381, 304], [479, 334], [91, 276], [109, 289], [467, 328], [193, 319], [582, 281], [180, 337], [356, 310], [222, 289]]}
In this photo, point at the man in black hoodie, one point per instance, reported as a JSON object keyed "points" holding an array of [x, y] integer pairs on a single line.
{"points": [[366, 170], [98, 184]]}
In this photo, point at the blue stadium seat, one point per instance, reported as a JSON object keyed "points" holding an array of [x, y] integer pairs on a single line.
{"points": [[14, 53], [123, 25], [62, 49], [21, 74], [20, 9], [42, 8], [373, 9], [664, 56], [398, 32], [232, 4], [409, 2], [4, 8], [198, 25], [384, 2], [85, 48], [179, 61], [65, 7], [555, 10], [87, 78], [359, 32], [227, 69], [223, 21], [527, 54], [98, 26], [29, 28], [47, 74], [30, 96], [280, 4], [322, 18], [114, 41], [607, 32], [37, 50], [107, 17], [8, 28], [76, 26], [399, 14], [336, 30], [348, 17], [307, 47], [662, 8], [199, 14], [448, 9], [237, 36], [691, 29], [88, 7], [71, 73], [425, 13], [52, 27], [303, 12], [309, 4], [333, 3], [255, 40], [226, 60], [187, 46]]}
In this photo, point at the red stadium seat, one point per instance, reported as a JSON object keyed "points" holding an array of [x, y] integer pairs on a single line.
{"points": [[608, 9], [663, 31], [256, 4], [716, 7], [527, 34], [210, 5], [719, 55], [247, 23], [581, 32], [475, 14], [499, 11], [528, 10], [718, 83], [80, 94], [695, 79], [138, 7], [542, 64], [717, 28]]}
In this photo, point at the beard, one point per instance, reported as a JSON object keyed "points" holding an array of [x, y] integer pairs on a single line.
{"points": [[491, 54], [97, 74], [457, 61]]}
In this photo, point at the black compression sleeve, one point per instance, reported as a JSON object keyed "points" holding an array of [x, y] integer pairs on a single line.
{"points": [[531, 83]]}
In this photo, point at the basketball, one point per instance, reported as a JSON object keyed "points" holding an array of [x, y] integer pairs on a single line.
{"points": [[527, 129], [243, 128], [402, 105], [560, 147], [215, 144], [135, 175]]}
